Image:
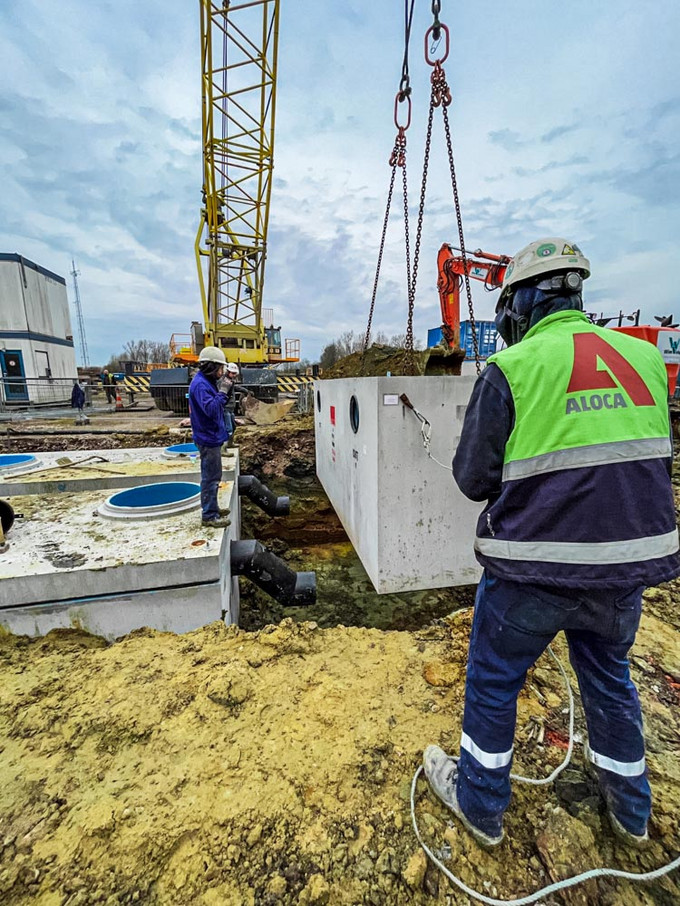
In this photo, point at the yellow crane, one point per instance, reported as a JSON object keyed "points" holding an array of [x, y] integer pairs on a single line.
{"points": [[239, 49]]}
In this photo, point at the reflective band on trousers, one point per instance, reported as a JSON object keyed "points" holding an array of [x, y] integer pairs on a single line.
{"points": [[486, 759], [622, 768], [631, 551], [592, 455]]}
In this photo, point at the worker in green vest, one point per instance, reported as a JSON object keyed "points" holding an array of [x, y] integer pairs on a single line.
{"points": [[566, 437]]}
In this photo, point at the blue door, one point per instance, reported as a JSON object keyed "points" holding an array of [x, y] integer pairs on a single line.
{"points": [[13, 374]]}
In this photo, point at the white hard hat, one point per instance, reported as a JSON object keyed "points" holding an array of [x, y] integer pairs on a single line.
{"points": [[212, 354], [545, 257], [232, 367]]}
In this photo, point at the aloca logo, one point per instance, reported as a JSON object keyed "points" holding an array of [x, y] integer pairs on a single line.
{"points": [[589, 350]]}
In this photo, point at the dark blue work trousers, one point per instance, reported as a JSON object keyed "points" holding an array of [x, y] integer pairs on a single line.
{"points": [[513, 625], [211, 475]]}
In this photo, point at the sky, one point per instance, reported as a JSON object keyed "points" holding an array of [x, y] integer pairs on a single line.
{"points": [[565, 122]]}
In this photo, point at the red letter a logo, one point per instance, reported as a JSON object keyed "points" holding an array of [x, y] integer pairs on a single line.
{"points": [[588, 347]]}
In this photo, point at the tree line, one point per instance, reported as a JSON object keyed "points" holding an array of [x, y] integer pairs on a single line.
{"points": [[140, 351]]}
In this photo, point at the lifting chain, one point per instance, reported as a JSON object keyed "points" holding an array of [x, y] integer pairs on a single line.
{"points": [[397, 159], [439, 97]]}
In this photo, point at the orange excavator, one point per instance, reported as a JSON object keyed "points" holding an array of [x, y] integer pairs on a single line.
{"points": [[490, 270], [451, 268]]}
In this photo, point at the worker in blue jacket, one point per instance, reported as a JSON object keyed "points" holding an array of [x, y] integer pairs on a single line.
{"points": [[210, 430], [566, 437]]}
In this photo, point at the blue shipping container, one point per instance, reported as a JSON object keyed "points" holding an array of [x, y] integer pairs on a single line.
{"points": [[487, 335]]}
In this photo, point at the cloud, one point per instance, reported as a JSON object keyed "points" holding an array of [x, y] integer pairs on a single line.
{"points": [[100, 156]]}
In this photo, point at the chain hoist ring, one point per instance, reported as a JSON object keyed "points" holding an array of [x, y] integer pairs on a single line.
{"points": [[399, 97], [430, 31]]}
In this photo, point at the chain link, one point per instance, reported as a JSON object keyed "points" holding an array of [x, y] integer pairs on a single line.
{"points": [[407, 361], [459, 218]]}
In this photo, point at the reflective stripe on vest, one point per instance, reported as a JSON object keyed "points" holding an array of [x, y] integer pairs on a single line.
{"points": [[634, 550], [591, 455], [490, 760], [622, 768]]}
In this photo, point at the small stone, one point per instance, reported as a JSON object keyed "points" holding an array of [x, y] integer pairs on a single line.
{"points": [[440, 673], [277, 886], [414, 873], [317, 890], [387, 862], [254, 835]]}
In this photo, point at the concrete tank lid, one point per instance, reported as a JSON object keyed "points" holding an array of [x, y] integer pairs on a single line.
{"points": [[181, 449], [10, 463], [164, 498]]}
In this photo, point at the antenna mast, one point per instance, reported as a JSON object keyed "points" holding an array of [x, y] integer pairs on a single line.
{"points": [[79, 314]]}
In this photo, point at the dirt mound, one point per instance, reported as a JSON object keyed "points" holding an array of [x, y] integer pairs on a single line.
{"points": [[225, 767], [380, 360]]}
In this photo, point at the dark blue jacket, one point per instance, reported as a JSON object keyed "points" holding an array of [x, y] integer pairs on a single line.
{"points": [[77, 397], [478, 471], [206, 409]]}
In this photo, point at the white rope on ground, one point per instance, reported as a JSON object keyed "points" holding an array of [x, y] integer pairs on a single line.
{"points": [[558, 885]]}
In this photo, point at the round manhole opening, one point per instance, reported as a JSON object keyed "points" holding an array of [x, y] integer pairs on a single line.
{"points": [[17, 462], [165, 498], [354, 414], [181, 450]]}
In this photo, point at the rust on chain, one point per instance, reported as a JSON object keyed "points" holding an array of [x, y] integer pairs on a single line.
{"points": [[398, 155], [402, 97], [461, 237], [432, 31], [441, 93]]}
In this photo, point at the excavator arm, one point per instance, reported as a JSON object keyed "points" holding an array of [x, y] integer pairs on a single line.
{"points": [[451, 268]]}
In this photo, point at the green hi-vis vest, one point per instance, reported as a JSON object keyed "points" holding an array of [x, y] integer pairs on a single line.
{"points": [[585, 498], [580, 397]]}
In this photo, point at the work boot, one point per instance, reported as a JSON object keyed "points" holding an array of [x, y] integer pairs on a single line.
{"points": [[217, 522], [639, 841], [442, 774], [223, 510]]}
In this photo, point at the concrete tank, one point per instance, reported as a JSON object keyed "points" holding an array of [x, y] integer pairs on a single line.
{"points": [[407, 520]]}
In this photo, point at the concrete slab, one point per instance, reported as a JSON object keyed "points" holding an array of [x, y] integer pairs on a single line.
{"points": [[68, 566], [407, 520], [121, 469]]}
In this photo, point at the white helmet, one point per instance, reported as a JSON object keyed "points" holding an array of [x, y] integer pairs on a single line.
{"points": [[545, 257], [212, 354], [232, 368]]}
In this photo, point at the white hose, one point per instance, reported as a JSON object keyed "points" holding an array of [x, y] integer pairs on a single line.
{"points": [[558, 885]]}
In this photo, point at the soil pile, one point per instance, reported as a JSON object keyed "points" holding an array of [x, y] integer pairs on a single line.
{"points": [[226, 767], [381, 360]]}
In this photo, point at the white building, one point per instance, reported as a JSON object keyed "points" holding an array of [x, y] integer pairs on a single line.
{"points": [[37, 356]]}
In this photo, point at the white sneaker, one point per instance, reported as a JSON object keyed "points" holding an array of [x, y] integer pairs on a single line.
{"points": [[442, 773]]}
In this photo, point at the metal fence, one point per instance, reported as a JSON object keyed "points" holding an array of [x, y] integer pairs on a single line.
{"points": [[37, 393], [305, 398]]}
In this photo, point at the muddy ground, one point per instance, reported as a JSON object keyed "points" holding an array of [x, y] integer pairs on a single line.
{"points": [[273, 766]]}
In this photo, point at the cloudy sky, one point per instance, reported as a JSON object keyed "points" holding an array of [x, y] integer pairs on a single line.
{"points": [[566, 121]]}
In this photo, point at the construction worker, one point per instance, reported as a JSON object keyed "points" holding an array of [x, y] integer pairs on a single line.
{"points": [[109, 385], [210, 430], [566, 437], [78, 401]]}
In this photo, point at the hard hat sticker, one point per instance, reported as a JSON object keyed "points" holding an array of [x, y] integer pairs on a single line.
{"points": [[545, 250], [570, 250]]}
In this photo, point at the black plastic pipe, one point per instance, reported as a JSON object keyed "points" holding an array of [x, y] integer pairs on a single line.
{"points": [[252, 560], [6, 516], [260, 494]]}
